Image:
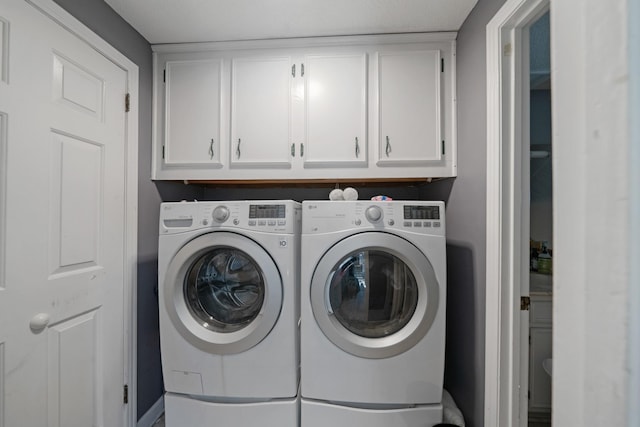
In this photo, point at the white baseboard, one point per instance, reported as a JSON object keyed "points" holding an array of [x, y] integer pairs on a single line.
{"points": [[152, 414]]}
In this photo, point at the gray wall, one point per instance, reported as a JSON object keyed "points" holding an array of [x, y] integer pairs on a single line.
{"points": [[465, 197], [466, 222]]}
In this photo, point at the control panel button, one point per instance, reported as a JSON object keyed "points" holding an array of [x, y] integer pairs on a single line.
{"points": [[427, 224], [358, 221], [436, 223], [282, 222], [262, 222], [391, 222], [252, 222], [271, 222], [236, 221], [407, 223], [417, 224]]}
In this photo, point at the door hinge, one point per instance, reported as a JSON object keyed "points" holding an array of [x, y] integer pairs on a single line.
{"points": [[127, 103], [125, 396], [442, 65], [525, 303]]}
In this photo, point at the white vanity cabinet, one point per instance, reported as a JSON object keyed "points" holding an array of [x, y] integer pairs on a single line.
{"points": [[337, 108], [540, 337]]}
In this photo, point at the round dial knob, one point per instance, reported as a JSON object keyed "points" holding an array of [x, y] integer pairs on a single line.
{"points": [[220, 214], [373, 213]]}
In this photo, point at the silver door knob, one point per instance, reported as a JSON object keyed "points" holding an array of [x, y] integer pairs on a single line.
{"points": [[39, 322]]}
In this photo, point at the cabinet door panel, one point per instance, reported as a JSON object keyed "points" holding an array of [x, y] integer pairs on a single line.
{"points": [[410, 107], [260, 112], [192, 125], [335, 110]]}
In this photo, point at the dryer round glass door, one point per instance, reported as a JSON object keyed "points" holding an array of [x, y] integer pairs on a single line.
{"points": [[223, 292], [374, 294]]}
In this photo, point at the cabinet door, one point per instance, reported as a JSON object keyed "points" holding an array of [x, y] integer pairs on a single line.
{"points": [[409, 108], [335, 110], [261, 112], [192, 113]]}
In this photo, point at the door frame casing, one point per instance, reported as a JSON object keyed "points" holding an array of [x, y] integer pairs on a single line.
{"points": [[130, 257], [505, 364]]}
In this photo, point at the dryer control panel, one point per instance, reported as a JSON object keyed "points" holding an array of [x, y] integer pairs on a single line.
{"points": [[423, 217], [269, 216]]}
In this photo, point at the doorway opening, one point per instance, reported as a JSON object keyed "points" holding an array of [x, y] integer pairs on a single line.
{"points": [[540, 221], [508, 229]]}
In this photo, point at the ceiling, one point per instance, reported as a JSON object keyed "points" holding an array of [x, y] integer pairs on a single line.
{"points": [[181, 21]]}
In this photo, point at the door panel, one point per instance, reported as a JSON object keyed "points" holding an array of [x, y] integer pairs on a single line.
{"points": [[77, 179], [260, 112], [62, 306], [410, 108], [193, 109], [74, 392], [336, 110]]}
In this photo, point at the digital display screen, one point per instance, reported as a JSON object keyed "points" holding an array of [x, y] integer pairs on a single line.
{"points": [[266, 211], [421, 212]]}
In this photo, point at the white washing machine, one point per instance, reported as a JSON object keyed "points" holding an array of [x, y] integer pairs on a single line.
{"points": [[373, 289], [228, 292]]}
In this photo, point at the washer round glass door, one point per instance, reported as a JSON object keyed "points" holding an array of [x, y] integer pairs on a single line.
{"points": [[223, 292], [374, 295]]}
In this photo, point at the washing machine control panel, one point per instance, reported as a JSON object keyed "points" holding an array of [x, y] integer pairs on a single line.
{"points": [[415, 216], [266, 216]]}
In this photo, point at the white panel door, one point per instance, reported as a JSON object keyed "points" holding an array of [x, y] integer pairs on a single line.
{"points": [[335, 110], [261, 112], [62, 129], [410, 108]]}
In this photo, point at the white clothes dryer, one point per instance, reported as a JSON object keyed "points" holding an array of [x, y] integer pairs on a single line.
{"points": [[228, 293], [373, 286]]}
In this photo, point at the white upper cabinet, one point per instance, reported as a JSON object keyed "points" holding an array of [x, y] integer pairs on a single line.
{"points": [[192, 113], [410, 108], [359, 108], [335, 93], [260, 112]]}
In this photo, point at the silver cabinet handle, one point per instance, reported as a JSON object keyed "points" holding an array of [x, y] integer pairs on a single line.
{"points": [[357, 148], [211, 153], [387, 148], [293, 70], [293, 150], [238, 149], [301, 150], [301, 70]]}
